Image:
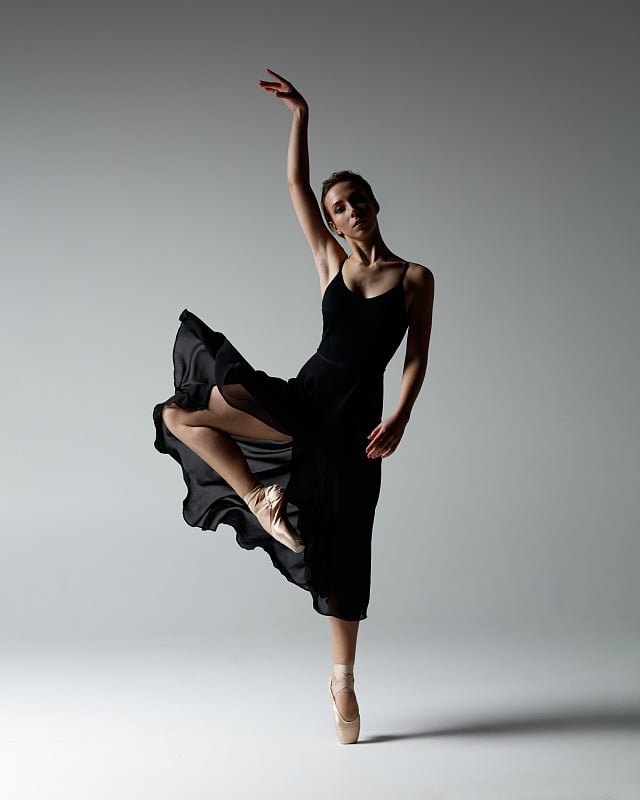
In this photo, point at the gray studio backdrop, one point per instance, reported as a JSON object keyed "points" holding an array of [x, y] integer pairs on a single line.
{"points": [[143, 172]]}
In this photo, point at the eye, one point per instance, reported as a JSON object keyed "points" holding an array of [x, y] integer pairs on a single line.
{"points": [[339, 209]]}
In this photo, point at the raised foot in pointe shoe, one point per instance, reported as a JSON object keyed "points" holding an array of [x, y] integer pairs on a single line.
{"points": [[267, 503], [348, 731]]}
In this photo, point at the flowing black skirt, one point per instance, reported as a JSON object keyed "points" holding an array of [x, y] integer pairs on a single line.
{"points": [[331, 487]]}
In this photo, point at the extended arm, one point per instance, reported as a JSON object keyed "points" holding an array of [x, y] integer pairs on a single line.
{"points": [[324, 247], [386, 436]]}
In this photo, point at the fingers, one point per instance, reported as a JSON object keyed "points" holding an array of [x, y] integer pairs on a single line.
{"points": [[383, 445], [275, 89], [283, 90], [279, 77], [377, 437], [384, 439], [269, 86], [383, 451], [281, 83]]}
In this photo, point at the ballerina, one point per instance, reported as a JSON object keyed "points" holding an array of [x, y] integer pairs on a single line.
{"points": [[321, 433]]}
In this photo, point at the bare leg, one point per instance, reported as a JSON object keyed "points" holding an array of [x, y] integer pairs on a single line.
{"points": [[208, 433], [344, 634]]}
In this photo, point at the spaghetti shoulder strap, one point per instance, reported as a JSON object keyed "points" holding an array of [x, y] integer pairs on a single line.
{"points": [[406, 267]]}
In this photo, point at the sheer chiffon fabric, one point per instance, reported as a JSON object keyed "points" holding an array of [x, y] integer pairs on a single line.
{"points": [[331, 487]]}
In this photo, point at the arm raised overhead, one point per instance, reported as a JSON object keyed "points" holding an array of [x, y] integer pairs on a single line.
{"points": [[327, 252]]}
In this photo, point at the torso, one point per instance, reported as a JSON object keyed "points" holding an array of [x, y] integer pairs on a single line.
{"points": [[370, 282], [364, 330]]}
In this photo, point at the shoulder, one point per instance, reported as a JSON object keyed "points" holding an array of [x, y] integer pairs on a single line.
{"points": [[420, 283], [419, 275]]}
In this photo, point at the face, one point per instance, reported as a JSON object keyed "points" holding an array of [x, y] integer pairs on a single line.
{"points": [[351, 210]]}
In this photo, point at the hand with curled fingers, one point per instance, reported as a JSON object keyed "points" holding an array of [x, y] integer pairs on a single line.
{"points": [[386, 436], [284, 90]]}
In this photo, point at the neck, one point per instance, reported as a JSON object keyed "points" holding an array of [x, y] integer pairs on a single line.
{"points": [[370, 252]]}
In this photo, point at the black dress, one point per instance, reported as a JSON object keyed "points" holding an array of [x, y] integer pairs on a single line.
{"points": [[329, 409]]}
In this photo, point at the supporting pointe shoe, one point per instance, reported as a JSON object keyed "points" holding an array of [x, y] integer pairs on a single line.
{"points": [[348, 730], [267, 502]]}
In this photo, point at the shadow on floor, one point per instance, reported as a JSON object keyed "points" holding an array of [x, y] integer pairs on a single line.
{"points": [[574, 721]]}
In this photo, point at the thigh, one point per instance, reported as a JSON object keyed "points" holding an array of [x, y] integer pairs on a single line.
{"points": [[223, 417]]}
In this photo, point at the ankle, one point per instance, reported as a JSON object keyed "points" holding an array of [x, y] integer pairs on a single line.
{"points": [[342, 677], [252, 495]]}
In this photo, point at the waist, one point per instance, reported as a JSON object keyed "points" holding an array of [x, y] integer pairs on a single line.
{"points": [[359, 367]]}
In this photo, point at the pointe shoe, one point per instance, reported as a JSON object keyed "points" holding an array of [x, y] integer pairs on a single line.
{"points": [[348, 730], [267, 502]]}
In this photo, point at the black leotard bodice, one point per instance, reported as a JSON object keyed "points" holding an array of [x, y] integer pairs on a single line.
{"points": [[362, 332]]}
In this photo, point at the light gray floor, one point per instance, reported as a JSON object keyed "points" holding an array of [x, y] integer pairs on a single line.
{"points": [[472, 717]]}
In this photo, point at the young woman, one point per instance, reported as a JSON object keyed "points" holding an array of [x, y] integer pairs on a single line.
{"points": [[295, 465]]}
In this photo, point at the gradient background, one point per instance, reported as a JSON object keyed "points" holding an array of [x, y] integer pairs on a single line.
{"points": [[144, 172]]}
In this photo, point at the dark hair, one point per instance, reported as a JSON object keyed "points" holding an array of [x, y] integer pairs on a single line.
{"points": [[340, 177]]}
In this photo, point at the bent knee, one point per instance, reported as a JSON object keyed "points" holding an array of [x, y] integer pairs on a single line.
{"points": [[171, 416]]}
